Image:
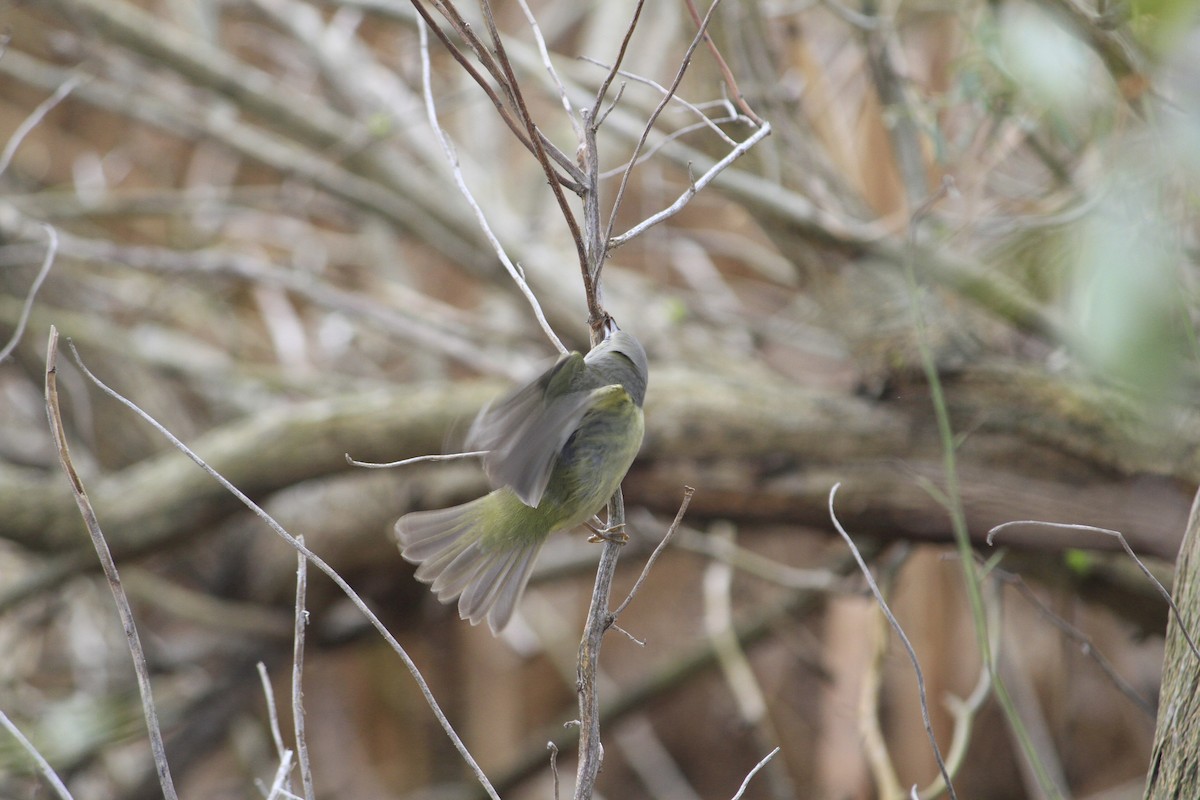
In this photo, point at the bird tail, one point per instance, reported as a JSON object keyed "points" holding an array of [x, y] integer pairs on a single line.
{"points": [[461, 552]]}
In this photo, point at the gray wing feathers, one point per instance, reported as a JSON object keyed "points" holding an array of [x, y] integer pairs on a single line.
{"points": [[523, 434], [446, 547]]}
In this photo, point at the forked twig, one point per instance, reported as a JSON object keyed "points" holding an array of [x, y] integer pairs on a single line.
{"points": [[726, 72], [54, 415], [314, 559], [1120, 537], [912, 655]]}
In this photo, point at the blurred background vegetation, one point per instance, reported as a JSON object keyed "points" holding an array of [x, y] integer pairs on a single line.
{"points": [[259, 243]]}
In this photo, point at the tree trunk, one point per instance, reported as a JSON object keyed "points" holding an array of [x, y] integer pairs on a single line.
{"points": [[1175, 763]]}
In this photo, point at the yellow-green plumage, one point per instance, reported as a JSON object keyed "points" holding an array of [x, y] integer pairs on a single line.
{"points": [[558, 449]]}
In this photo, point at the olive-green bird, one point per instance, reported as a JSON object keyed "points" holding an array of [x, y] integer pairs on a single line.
{"points": [[557, 449]]}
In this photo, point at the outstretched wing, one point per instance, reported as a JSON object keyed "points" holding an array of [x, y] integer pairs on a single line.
{"points": [[523, 433]]}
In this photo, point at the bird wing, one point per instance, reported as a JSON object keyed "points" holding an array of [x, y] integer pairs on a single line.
{"points": [[523, 433]]}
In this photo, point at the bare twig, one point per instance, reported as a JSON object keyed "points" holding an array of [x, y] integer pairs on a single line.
{"points": [[593, 117], [693, 187], [688, 491], [1120, 537], [306, 777], [545, 53], [415, 460], [272, 714], [726, 72], [1086, 645], [516, 274], [553, 748], [912, 655], [35, 118], [750, 775], [110, 569], [48, 772], [319, 563], [591, 752], [641, 142], [27, 308]]}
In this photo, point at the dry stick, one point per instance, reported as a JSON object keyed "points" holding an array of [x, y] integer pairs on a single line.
{"points": [[317, 561], [47, 771], [591, 752], [649, 126], [1128, 550], [415, 459], [594, 114], [726, 72], [1086, 645], [27, 308], [545, 53], [272, 714], [688, 491], [912, 655], [705, 120], [512, 90], [34, 119], [110, 569], [693, 187], [539, 147], [742, 789], [297, 674], [516, 274]]}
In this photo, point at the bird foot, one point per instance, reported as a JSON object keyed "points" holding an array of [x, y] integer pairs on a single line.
{"points": [[616, 534]]}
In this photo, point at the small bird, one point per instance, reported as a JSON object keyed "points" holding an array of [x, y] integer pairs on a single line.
{"points": [[557, 450]]}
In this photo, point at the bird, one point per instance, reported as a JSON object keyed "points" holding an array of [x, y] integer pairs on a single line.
{"points": [[555, 450]]}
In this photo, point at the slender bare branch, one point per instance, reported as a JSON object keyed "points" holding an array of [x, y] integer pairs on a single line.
{"points": [[912, 655], [319, 563], [47, 771], [726, 72], [110, 569], [301, 624], [517, 275], [31, 295], [688, 491], [34, 119], [415, 460], [1120, 537]]}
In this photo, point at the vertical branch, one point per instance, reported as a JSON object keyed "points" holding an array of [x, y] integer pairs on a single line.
{"points": [[110, 569]]}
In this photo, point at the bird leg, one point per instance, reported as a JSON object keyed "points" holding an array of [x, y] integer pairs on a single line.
{"points": [[607, 533]]}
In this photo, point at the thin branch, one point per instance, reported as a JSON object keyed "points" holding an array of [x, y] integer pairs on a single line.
{"points": [[545, 53], [688, 491], [415, 460], [110, 569], [47, 771], [318, 562], [726, 72], [35, 118], [593, 116], [694, 187], [1120, 537], [591, 752], [912, 655], [272, 713], [641, 142], [750, 775], [516, 274], [27, 308], [539, 146], [1086, 645], [705, 120], [301, 623]]}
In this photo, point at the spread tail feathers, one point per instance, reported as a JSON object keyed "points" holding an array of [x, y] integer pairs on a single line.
{"points": [[460, 557]]}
